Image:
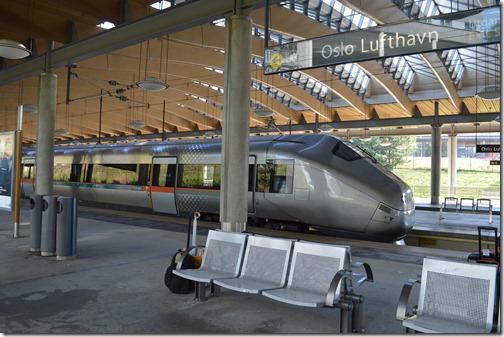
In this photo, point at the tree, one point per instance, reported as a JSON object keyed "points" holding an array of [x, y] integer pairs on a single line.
{"points": [[389, 156]]}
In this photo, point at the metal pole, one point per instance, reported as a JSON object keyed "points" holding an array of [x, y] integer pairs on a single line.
{"points": [[17, 171], [100, 122], [164, 111]]}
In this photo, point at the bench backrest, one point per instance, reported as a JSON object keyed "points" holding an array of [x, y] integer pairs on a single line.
{"points": [[458, 291], [267, 258], [224, 251], [314, 265]]}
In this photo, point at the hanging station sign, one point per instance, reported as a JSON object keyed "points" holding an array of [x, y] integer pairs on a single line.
{"points": [[462, 29], [488, 148]]}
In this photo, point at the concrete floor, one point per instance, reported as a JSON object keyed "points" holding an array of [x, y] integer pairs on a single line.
{"points": [[116, 285]]}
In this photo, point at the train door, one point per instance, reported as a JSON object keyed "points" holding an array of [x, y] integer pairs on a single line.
{"points": [[162, 187], [28, 177]]}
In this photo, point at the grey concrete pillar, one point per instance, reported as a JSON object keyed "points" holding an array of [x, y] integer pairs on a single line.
{"points": [[48, 85], [435, 164], [236, 124], [452, 165]]}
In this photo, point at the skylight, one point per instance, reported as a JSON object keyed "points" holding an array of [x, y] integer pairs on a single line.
{"points": [[161, 5], [106, 25]]}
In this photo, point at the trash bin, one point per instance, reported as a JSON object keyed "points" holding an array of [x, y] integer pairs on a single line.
{"points": [[48, 232], [35, 221], [66, 233]]}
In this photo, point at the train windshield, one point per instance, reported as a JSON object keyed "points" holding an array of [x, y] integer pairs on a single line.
{"points": [[349, 151]]}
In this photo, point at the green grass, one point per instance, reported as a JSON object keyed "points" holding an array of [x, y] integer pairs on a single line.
{"points": [[470, 184]]}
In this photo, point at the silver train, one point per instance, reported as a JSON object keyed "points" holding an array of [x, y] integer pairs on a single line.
{"points": [[314, 180]]}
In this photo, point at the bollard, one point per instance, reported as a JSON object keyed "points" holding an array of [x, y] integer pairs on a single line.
{"points": [[66, 233], [48, 232], [35, 221]]}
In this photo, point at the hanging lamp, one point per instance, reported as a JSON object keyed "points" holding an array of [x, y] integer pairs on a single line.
{"points": [[13, 50]]}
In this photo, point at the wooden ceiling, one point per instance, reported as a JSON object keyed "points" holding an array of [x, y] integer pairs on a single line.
{"points": [[97, 92]]}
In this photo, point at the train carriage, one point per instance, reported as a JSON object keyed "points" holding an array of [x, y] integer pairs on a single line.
{"points": [[315, 180]]}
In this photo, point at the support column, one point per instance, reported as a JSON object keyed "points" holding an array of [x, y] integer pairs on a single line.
{"points": [[452, 165], [236, 124], [45, 133], [435, 164]]}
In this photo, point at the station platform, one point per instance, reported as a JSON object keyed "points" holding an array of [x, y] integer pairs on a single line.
{"points": [[115, 285]]}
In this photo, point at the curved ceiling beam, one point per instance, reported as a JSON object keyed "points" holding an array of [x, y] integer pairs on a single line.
{"points": [[302, 27], [393, 14]]}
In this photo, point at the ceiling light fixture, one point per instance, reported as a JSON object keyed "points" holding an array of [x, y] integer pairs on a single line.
{"points": [[13, 50], [137, 124], [326, 128], [385, 142], [61, 131], [152, 84], [262, 111]]}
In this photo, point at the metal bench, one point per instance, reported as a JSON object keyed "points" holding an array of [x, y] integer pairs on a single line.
{"points": [[221, 259], [455, 297], [320, 276], [466, 205], [265, 265]]}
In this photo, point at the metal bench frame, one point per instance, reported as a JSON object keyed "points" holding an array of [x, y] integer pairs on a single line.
{"points": [[435, 299], [216, 263], [451, 204], [329, 269], [340, 291]]}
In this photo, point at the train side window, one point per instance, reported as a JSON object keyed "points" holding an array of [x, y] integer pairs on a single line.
{"points": [[347, 152], [251, 175], [276, 176], [28, 171], [143, 174], [164, 175], [62, 172], [76, 173], [89, 173], [124, 174], [200, 176]]}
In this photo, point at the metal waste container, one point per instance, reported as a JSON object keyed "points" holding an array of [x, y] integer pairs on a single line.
{"points": [[35, 221], [66, 233], [48, 232]]}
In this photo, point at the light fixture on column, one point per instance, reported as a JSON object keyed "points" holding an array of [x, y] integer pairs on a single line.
{"points": [[30, 108], [13, 50]]}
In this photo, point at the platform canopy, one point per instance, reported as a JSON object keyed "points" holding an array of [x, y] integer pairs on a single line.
{"points": [[137, 69]]}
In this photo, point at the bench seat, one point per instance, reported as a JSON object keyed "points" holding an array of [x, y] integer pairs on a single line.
{"points": [[222, 258], [300, 297], [428, 324], [265, 265], [455, 297]]}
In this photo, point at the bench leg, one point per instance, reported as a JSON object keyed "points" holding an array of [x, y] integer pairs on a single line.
{"points": [[346, 308], [200, 292], [215, 290], [357, 312]]}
